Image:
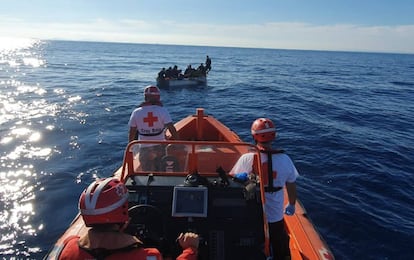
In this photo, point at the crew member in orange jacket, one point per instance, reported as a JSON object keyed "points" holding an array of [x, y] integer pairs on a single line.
{"points": [[104, 208]]}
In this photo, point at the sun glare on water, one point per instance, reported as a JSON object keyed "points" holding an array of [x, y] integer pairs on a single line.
{"points": [[16, 52], [23, 127], [11, 43]]}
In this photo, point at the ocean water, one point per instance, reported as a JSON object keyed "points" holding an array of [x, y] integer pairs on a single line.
{"points": [[346, 119]]}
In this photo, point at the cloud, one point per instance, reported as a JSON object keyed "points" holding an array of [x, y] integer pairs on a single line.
{"points": [[282, 35]]}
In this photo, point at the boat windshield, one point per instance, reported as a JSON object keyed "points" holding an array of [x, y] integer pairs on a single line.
{"points": [[182, 157]]}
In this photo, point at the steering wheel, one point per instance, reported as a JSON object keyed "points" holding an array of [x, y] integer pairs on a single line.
{"points": [[147, 223]]}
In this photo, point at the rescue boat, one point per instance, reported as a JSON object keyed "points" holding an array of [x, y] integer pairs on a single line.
{"points": [[187, 188]]}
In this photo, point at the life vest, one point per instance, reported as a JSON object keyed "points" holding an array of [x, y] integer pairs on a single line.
{"points": [[267, 167], [72, 250]]}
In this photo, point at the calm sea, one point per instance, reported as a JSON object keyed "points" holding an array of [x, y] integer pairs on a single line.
{"points": [[346, 119]]}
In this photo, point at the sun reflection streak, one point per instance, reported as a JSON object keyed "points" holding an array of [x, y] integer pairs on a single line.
{"points": [[31, 89], [17, 52], [18, 132], [13, 43], [34, 62], [6, 140], [74, 99], [26, 117], [13, 108], [35, 137], [17, 195], [25, 151]]}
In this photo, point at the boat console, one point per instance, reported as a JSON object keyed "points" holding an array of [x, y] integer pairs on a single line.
{"points": [[198, 197], [226, 222]]}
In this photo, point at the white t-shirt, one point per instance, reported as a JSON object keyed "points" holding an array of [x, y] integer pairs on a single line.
{"points": [[150, 122], [285, 172]]}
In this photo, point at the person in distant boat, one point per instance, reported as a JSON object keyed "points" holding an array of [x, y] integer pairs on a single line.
{"points": [[103, 206], [208, 64], [280, 170], [169, 73], [201, 69], [189, 71], [161, 74], [148, 122], [175, 72]]}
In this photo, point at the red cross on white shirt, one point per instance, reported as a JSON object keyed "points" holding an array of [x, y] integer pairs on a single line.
{"points": [[150, 119]]}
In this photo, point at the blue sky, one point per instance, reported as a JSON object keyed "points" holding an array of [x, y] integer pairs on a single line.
{"points": [[363, 25]]}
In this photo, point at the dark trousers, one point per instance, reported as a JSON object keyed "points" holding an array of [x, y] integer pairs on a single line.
{"points": [[279, 240]]}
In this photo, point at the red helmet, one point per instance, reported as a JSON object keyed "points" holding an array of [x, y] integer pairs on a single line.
{"points": [[104, 201], [263, 130], [152, 93]]}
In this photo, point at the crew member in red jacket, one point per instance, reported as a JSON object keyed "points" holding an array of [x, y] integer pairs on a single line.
{"points": [[104, 208]]}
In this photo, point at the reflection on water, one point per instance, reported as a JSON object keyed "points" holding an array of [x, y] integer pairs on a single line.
{"points": [[8, 44], [22, 127]]}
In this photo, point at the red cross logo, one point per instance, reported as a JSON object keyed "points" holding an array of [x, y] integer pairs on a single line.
{"points": [[150, 119]]}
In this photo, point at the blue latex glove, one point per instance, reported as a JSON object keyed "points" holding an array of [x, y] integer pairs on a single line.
{"points": [[290, 210], [242, 176]]}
